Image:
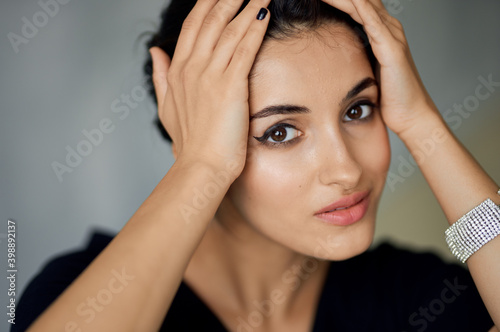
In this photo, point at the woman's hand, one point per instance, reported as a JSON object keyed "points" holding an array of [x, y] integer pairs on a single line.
{"points": [[203, 94], [403, 99], [457, 180]]}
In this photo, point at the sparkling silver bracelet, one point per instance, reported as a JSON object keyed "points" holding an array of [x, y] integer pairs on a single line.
{"points": [[474, 230]]}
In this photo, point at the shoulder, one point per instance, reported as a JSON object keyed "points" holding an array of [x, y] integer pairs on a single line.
{"points": [[398, 289], [53, 279]]}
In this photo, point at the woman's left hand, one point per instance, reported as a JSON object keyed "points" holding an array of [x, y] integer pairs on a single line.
{"points": [[403, 98], [456, 179]]}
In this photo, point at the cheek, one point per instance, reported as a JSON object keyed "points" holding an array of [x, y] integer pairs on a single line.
{"points": [[270, 185], [374, 153]]}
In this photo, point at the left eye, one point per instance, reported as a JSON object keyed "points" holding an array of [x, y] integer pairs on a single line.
{"points": [[282, 133], [358, 112]]}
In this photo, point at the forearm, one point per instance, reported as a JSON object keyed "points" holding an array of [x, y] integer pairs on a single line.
{"points": [[459, 184], [151, 252]]}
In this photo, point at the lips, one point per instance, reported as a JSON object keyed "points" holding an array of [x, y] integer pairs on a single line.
{"points": [[347, 210]]}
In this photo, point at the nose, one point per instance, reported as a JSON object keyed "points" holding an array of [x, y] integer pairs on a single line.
{"points": [[337, 163]]}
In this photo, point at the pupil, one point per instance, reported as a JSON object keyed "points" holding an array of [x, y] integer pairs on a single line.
{"points": [[279, 135], [355, 112]]}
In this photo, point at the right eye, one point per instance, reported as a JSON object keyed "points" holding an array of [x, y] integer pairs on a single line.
{"points": [[359, 111]]}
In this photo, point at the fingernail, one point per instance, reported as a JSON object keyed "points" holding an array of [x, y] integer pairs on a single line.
{"points": [[262, 14]]}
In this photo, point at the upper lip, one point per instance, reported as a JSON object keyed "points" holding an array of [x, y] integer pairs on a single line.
{"points": [[345, 202]]}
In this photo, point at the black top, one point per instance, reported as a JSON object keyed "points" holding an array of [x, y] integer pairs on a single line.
{"points": [[384, 289]]}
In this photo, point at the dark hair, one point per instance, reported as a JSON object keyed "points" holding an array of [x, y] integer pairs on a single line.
{"points": [[288, 19]]}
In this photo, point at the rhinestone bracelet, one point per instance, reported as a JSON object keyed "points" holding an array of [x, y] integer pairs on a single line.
{"points": [[473, 230]]}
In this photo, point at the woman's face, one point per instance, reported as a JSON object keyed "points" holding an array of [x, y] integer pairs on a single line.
{"points": [[319, 140]]}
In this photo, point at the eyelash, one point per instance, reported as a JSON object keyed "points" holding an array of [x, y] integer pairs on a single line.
{"points": [[362, 103], [264, 138]]}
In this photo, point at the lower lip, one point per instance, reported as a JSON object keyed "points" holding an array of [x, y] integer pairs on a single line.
{"points": [[347, 216]]}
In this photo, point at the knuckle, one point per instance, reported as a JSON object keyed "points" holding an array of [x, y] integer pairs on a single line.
{"points": [[189, 23], [212, 18], [229, 6], [231, 32], [222, 11], [188, 74], [396, 22], [242, 51]]}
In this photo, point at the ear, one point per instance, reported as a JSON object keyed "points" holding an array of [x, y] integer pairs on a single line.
{"points": [[161, 64]]}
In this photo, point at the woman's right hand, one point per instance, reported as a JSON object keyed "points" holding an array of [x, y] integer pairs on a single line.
{"points": [[203, 104], [203, 93]]}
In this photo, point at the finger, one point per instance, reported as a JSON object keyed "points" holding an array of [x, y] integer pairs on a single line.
{"points": [[161, 63], [191, 28], [234, 33], [376, 29], [392, 23], [377, 4], [213, 26], [246, 51], [346, 6]]}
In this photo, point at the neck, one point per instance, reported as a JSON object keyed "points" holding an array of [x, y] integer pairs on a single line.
{"points": [[247, 271]]}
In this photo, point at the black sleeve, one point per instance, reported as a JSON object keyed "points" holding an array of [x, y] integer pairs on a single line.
{"points": [[54, 278]]}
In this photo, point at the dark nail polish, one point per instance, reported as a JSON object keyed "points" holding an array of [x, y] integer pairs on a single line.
{"points": [[262, 14]]}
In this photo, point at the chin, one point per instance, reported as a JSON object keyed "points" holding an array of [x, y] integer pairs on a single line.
{"points": [[338, 246]]}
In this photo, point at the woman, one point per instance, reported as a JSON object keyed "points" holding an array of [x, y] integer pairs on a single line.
{"points": [[281, 156]]}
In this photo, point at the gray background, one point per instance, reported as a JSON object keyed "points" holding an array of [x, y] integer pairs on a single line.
{"points": [[84, 58]]}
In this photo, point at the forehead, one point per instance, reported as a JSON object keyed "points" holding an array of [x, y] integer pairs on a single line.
{"points": [[328, 62]]}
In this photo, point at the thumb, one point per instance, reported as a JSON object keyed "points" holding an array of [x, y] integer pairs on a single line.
{"points": [[161, 64]]}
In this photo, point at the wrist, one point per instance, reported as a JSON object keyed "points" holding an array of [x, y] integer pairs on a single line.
{"points": [[427, 136], [422, 126], [192, 190], [228, 171]]}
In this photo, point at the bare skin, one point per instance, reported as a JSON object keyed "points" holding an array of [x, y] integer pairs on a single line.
{"points": [[265, 225], [159, 228], [259, 220]]}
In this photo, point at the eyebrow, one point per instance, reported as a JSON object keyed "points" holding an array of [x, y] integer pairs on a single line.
{"points": [[296, 109], [280, 109], [362, 85]]}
